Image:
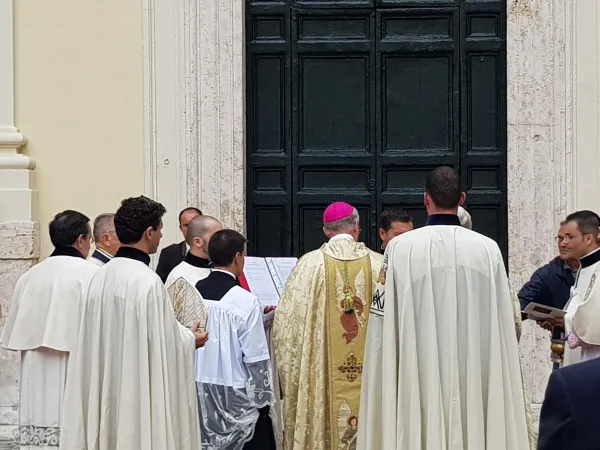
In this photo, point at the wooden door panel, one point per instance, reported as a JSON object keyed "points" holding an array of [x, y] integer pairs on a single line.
{"points": [[357, 100]]}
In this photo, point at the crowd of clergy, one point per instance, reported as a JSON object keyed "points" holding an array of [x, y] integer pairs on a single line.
{"points": [[410, 347]]}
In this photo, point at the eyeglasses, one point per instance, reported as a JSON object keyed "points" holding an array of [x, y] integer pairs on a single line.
{"points": [[568, 237]]}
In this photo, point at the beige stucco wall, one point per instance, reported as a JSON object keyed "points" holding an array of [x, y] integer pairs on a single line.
{"points": [[79, 100]]}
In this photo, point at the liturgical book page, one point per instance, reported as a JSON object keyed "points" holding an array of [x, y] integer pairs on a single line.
{"points": [[267, 276], [535, 311]]}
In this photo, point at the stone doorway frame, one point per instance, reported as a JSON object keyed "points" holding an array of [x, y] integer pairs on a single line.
{"points": [[194, 108]]}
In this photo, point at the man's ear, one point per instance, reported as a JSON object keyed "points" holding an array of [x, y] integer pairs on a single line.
{"points": [[381, 233], [463, 198], [148, 233]]}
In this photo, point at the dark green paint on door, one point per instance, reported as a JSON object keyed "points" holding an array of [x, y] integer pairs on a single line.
{"points": [[359, 100]]}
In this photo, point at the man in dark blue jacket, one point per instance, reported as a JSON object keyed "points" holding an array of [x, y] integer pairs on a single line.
{"points": [[569, 417], [551, 284]]}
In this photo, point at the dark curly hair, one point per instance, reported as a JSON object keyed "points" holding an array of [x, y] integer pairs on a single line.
{"points": [[135, 216], [67, 226]]}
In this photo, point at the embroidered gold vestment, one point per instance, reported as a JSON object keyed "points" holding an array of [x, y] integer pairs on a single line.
{"points": [[319, 333]]}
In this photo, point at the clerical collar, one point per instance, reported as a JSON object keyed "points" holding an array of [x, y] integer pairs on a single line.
{"points": [[443, 219], [197, 261], [339, 237], [133, 253], [101, 255], [67, 251], [225, 271], [590, 258]]}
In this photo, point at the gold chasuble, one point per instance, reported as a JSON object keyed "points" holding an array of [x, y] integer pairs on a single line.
{"points": [[319, 332]]}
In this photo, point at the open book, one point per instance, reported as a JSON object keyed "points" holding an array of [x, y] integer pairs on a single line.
{"points": [[188, 304], [267, 276], [535, 311]]}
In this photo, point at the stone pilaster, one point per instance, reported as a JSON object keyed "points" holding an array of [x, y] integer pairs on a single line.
{"points": [[194, 108], [19, 231], [539, 153]]}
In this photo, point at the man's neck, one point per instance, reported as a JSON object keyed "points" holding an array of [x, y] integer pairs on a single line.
{"points": [[103, 250], [434, 210], [342, 235], [572, 263], [198, 253], [139, 246], [227, 269]]}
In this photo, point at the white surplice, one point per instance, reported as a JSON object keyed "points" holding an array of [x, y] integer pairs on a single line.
{"points": [[583, 314], [233, 371], [441, 368], [190, 273], [42, 324], [130, 384]]}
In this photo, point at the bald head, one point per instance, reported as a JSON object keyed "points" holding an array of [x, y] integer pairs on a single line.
{"points": [[200, 230]]}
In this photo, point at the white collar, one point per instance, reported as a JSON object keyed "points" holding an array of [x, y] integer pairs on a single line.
{"points": [[339, 237], [187, 247], [225, 271]]}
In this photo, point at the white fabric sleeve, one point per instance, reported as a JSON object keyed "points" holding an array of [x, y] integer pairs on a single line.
{"points": [[253, 339]]}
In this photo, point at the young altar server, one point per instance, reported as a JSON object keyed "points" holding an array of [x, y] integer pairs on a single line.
{"points": [[233, 373], [442, 368], [131, 383], [105, 238], [196, 266], [42, 324]]}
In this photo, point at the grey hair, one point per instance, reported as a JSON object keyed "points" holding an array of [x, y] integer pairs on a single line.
{"points": [[344, 224], [199, 226], [464, 217], [104, 223]]}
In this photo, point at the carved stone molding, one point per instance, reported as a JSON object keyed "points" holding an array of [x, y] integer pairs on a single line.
{"points": [[19, 231]]}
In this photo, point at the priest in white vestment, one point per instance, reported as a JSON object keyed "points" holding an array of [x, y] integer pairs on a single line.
{"points": [[130, 383], [233, 372], [582, 320], [196, 266], [42, 324], [105, 239], [442, 368], [319, 330]]}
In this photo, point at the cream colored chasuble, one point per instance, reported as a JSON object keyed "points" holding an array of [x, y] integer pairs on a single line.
{"points": [[442, 367], [42, 324], [319, 332], [130, 384]]}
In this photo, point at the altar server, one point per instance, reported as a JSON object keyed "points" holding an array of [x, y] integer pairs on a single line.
{"points": [[130, 384], [105, 238], [319, 332], [582, 321], [233, 374], [442, 369], [196, 265], [42, 324]]}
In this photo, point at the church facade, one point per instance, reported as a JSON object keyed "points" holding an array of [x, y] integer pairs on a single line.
{"points": [[261, 113]]}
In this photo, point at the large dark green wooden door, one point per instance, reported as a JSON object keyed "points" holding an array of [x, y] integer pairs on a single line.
{"points": [[359, 100]]}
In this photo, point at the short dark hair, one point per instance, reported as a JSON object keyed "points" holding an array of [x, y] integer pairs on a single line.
{"points": [[135, 216], [189, 208], [67, 226], [390, 216], [443, 186], [587, 221], [224, 245]]}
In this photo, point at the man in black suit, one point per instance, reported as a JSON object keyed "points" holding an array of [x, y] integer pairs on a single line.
{"points": [[569, 417], [172, 255]]}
